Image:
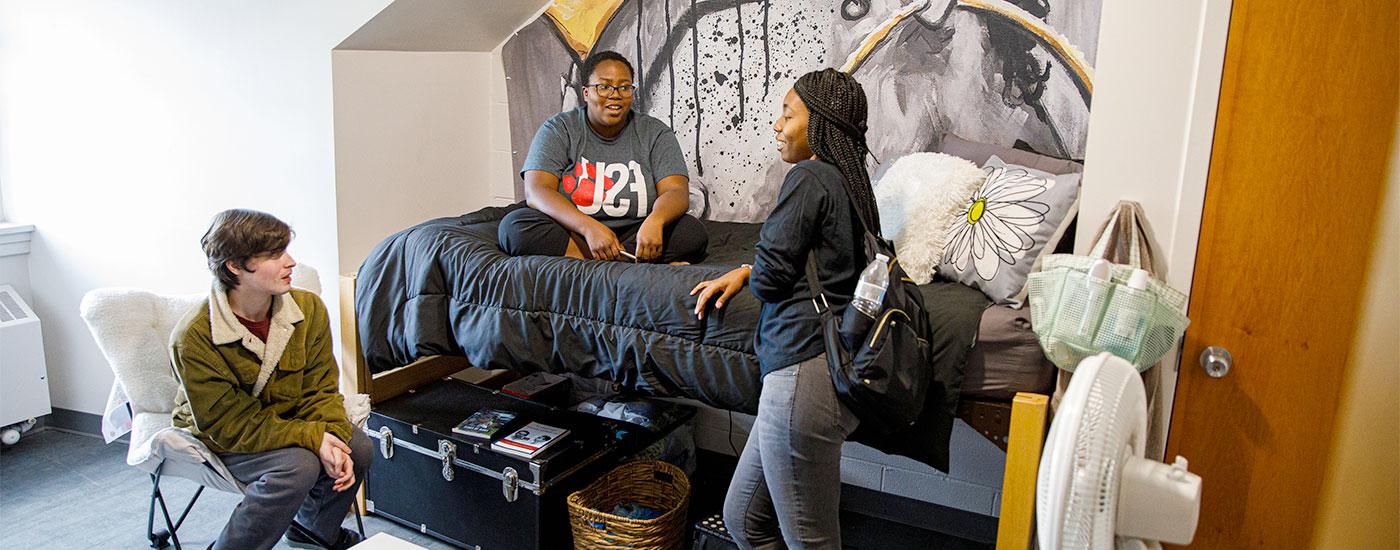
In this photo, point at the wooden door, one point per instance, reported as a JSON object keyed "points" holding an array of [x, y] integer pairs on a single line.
{"points": [[1307, 112]]}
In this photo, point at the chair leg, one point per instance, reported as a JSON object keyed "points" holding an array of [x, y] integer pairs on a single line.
{"points": [[168, 525], [359, 519], [159, 539], [188, 507]]}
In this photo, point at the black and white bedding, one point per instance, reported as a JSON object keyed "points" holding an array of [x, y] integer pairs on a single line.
{"points": [[443, 287]]}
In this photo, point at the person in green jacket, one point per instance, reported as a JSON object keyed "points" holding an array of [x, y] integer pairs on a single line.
{"points": [[259, 386]]}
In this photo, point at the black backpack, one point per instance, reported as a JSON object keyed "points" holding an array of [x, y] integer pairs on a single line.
{"points": [[882, 368]]}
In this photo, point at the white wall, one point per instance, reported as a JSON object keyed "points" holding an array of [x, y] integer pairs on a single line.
{"points": [[14, 258], [124, 126], [502, 157], [413, 141], [1156, 88]]}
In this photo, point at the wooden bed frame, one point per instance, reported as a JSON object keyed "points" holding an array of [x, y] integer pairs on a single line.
{"points": [[1018, 427]]}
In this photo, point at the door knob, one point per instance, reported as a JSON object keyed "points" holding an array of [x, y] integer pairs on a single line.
{"points": [[1216, 361]]}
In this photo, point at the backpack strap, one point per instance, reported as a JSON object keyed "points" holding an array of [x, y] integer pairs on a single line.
{"points": [[860, 217], [823, 308], [818, 292]]}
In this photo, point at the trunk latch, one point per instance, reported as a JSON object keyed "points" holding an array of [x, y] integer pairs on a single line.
{"points": [[449, 454], [510, 483], [386, 442]]}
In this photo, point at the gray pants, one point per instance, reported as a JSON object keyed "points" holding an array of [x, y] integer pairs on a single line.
{"points": [[284, 482], [787, 486]]}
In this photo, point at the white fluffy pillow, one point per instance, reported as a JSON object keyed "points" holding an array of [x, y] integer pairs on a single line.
{"points": [[919, 198]]}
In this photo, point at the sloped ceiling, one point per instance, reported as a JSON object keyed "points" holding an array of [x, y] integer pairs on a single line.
{"points": [[442, 25]]}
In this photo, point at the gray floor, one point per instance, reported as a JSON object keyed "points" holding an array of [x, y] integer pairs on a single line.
{"points": [[64, 490]]}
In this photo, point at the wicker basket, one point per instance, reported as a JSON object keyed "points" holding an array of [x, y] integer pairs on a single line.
{"points": [[654, 484]]}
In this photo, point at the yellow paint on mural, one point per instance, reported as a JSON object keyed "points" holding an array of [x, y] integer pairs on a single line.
{"points": [[581, 22], [1052, 40], [1056, 42], [874, 39]]}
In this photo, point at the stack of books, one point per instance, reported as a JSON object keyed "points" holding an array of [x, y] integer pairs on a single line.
{"points": [[530, 440]]}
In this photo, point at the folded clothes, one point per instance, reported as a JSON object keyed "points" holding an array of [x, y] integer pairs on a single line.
{"points": [[632, 510], [629, 510], [643, 413]]}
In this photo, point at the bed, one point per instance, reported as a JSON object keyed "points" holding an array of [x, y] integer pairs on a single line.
{"points": [[441, 296]]}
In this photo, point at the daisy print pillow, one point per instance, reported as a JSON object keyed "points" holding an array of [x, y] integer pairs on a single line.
{"points": [[1005, 226]]}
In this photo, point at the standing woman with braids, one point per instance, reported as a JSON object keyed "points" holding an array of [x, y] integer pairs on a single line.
{"points": [[787, 486]]}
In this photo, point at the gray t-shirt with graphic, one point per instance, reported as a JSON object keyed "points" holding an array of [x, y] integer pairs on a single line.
{"points": [[608, 179]]}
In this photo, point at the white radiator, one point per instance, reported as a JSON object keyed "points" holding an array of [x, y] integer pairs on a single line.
{"points": [[24, 383]]}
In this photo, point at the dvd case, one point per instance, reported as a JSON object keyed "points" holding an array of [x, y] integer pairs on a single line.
{"points": [[484, 423], [530, 440]]}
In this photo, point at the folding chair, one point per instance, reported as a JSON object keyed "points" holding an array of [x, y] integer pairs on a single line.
{"points": [[132, 327]]}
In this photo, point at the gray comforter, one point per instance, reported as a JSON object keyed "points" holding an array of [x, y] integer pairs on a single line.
{"points": [[443, 287]]}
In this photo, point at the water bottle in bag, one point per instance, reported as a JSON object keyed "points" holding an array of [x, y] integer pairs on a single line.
{"points": [[870, 291]]}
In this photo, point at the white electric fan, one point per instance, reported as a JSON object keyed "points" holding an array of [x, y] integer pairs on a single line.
{"points": [[1096, 491]]}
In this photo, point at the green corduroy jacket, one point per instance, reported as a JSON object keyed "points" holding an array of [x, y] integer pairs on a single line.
{"points": [[239, 394]]}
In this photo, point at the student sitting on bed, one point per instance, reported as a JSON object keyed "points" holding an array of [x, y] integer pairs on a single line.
{"points": [[259, 386], [787, 486], [603, 182]]}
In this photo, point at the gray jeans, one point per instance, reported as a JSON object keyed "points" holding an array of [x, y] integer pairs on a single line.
{"points": [[787, 486], [284, 482]]}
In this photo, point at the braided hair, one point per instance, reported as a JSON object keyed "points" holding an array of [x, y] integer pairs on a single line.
{"points": [[836, 133]]}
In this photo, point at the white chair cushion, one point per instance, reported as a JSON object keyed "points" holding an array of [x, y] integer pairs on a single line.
{"points": [[357, 409], [143, 428], [184, 456], [154, 441], [306, 277], [132, 327]]}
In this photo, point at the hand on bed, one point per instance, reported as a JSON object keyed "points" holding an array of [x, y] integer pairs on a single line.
{"points": [[602, 242], [724, 288], [649, 240]]}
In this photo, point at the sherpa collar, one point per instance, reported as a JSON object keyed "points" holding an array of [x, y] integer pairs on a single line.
{"points": [[224, 328]]}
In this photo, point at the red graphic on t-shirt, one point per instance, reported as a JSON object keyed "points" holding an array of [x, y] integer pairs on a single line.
{"points": [[579, 186]]}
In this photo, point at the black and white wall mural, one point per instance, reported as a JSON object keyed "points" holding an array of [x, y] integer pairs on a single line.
{"points": [[1006, 72]]}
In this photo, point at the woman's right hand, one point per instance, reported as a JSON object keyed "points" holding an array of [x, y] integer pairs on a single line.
{"points": [[725, 287], [602, 242]]}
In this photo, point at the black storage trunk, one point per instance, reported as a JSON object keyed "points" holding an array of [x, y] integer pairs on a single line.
{"points": [[458, 489]]}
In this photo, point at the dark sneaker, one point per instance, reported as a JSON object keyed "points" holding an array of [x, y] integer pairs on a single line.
{"points": [[299, 538], [348, 538]]}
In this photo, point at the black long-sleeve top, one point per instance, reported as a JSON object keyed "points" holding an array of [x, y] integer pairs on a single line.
{"points": [[813, 214]]}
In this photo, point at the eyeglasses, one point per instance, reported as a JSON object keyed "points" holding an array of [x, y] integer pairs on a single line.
{"points": [[607, 89]]}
